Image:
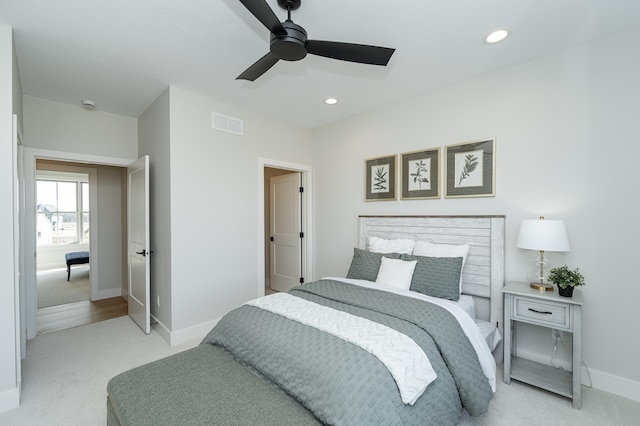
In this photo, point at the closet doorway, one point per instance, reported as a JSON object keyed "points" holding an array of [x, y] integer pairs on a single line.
{"points": [[285, 222]]}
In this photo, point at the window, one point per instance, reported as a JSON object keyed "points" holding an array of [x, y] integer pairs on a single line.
{"points": [[62, 210]]}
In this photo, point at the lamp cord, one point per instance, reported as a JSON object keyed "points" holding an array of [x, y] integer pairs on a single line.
{"points": [[582, 363]]}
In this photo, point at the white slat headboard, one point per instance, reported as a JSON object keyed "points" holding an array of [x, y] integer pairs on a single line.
{"points": [[483, 273]]}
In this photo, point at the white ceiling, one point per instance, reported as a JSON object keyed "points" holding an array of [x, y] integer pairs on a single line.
{"points": [[123, 53]]}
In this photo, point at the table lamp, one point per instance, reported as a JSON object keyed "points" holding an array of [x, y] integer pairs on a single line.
{"points": [[542, 235]]}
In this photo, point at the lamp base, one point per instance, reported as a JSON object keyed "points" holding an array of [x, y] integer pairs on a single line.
{"points": [[541, 286]]}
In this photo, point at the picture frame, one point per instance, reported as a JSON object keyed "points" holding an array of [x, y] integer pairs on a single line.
{"points": [[470, 169], [420, 174], [380, 178]]}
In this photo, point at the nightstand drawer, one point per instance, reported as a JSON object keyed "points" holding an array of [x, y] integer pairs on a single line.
{"points": [[542, 312]]}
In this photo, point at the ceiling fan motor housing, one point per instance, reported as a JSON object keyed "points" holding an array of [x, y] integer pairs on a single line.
{"points": [[290, 46]]}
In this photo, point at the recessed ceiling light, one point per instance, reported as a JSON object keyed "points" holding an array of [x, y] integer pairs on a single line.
{"points": [[497, 36], [331, 101]]}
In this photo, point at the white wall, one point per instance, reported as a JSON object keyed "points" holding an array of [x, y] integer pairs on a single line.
{"points": [[69, 128], [17, 88], [153, 139], [214, 204], [9, 355], [568, 142]]}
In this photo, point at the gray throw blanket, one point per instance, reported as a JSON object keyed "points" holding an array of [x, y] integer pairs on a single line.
{"points": [[343, 384]]}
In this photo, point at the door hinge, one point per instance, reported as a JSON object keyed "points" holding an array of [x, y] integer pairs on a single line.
{"points": [[302, 235], [301, 280], [301, 189]]}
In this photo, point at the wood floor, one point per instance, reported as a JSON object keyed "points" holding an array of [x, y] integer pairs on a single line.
{"points": [[62, 317]]}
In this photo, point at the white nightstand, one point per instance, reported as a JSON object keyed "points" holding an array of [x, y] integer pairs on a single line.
{"points": [[545, 309]]}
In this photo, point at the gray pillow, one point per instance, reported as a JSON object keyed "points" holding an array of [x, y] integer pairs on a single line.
{"points": [[365, 264], [436, 276]]}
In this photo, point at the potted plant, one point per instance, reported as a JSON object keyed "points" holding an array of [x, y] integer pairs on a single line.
{"points": [[566, 279]]}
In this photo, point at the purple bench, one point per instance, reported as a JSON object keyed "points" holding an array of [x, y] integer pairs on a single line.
{"points": [[75, 258]]}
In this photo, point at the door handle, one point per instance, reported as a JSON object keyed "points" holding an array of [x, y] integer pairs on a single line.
{"points": [[271, 238], [143, 252], [540, 312]]}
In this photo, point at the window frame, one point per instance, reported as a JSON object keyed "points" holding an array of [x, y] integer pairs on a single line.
{"points": [[79, 179]]}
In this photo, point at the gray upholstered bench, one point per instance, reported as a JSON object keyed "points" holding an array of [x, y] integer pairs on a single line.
{"points": [[200, 386], [75, 258]]}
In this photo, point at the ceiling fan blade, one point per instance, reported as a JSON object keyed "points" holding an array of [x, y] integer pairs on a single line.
{"points": [[361, 53], [261, 10], [261, 66]]}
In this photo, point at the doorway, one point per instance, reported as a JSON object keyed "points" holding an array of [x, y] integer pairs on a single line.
{"points": [[106, 244], [63, 233], [302, 176], [283, 224], [67, 290]]}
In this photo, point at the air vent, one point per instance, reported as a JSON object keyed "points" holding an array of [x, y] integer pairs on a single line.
{"points": [[226, 123]]}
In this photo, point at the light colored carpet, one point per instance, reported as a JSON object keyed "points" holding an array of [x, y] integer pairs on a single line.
{"points": [[519, 404], [54, 289], [65, 380]]}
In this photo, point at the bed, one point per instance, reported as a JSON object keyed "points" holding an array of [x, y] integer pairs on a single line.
{"points": [[351, 351]]}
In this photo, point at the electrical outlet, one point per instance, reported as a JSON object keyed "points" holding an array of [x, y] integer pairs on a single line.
{"points": [[158, 301], [555, 334]]}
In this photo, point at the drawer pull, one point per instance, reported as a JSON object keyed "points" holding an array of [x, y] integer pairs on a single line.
{"points": [[540, 312]]}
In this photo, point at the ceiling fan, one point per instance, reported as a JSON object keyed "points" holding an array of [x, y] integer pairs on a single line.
{"points": [[289, 42]]}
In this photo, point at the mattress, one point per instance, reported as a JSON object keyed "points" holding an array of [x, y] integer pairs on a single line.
{"points": [[490, 333]]}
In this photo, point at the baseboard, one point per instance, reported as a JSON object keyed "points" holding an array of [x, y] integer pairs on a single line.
{"points": [[601, 380], [160, 328], [9, 400], [108, 294], [616, 385], [186, 335]]}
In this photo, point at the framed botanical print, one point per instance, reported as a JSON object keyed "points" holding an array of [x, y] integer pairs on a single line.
{"points": [[420, 174], [380, 178], [470, 169]]}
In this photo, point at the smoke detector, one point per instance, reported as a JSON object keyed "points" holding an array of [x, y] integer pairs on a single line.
{"points": [[88, 104]]}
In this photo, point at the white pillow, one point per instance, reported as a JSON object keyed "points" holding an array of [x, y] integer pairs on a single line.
{"points": [[381, 245], [429, 249], [396, 273]]}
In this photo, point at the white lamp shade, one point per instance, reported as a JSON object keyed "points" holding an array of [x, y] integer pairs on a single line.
{"points": [[542, 234]]}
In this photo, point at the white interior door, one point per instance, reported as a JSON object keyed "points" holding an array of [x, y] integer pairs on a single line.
{"points": [[138, 244], [285, 229]]}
